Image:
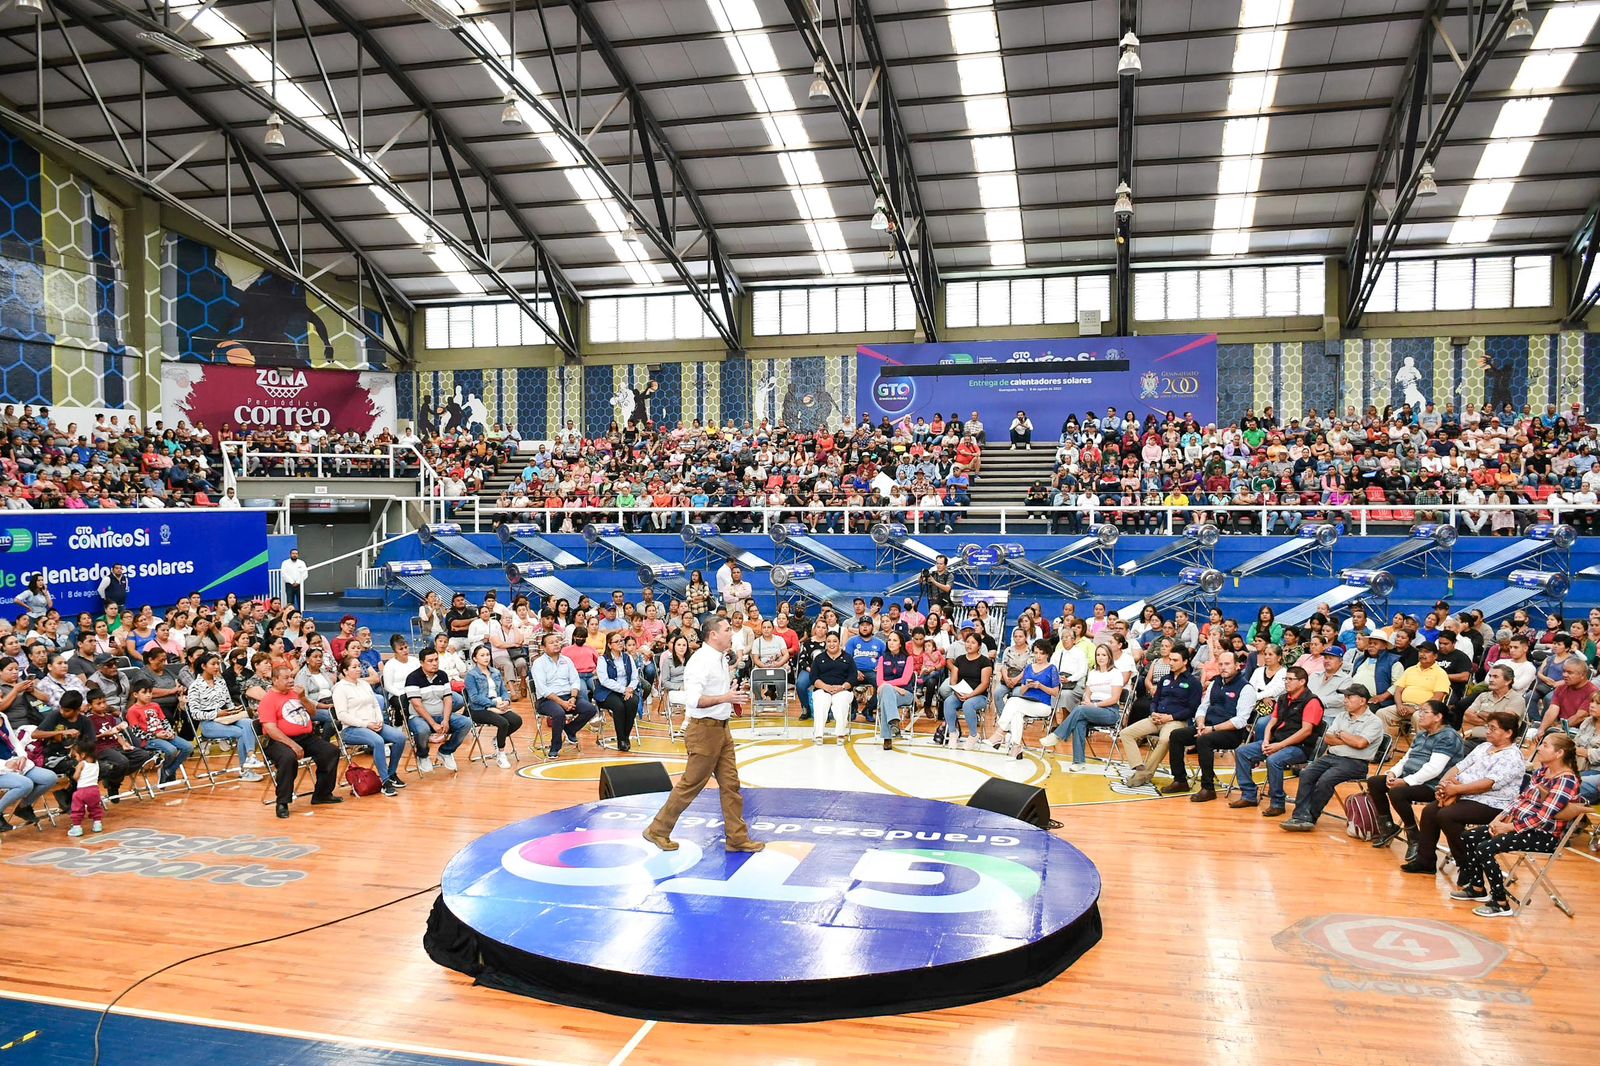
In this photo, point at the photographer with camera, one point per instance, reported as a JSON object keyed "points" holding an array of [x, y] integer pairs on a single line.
{"points": [[937, 583]]}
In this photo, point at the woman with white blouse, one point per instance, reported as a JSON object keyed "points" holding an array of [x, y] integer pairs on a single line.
{"points": [[361, 722]]}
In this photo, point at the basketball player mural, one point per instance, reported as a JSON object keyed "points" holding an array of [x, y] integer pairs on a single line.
{"points": [[271, 325]]}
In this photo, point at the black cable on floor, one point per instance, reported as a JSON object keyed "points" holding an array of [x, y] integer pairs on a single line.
{"points": [[106, 1013]]}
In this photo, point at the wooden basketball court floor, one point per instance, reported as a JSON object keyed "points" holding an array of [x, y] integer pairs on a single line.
{"points": [[1225, 939]]}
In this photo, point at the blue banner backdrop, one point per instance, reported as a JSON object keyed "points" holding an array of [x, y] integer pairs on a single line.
{"points": [[167, 555], [1047, 378]]}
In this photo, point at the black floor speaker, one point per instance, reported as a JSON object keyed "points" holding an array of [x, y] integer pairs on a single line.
{"points": [[1026, 803], [634, 779]]}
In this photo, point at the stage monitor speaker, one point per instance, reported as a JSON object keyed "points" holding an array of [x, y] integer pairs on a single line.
{"points": [[1026, 803], [634, 779]]}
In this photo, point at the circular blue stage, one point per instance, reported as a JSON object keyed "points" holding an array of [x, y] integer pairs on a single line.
{"points": [[860, 905]]}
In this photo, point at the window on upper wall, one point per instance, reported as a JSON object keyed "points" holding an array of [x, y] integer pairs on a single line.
{"points": [[655, 317], [1463, 283], [1281, 291], [488, 325], [832, 309], [1025, 301]]}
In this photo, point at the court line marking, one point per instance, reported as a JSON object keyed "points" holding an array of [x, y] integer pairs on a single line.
{"points": [[627, 1049], [297, 1034]]}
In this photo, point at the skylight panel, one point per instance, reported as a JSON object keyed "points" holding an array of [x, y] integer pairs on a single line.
{"points": [[974, 30]]}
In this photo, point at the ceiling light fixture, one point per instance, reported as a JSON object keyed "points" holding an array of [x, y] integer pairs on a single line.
{"points": [[1427, 186], [166, 43], [1129, 65], [274, 137], [430, 246], [36, 6], [436, 13], [1123, 208], [1521, 25], [819, 84], [880, 215], [510, 114]]}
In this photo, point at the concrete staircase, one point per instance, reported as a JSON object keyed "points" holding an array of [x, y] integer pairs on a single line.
{"points": [[1003, 481]]}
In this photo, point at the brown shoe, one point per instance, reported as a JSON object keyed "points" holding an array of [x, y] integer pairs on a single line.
{"points": [[1177, 788], [748, 845], [1272, 812], [1241, 802], [665, 843], [1205, 795]]}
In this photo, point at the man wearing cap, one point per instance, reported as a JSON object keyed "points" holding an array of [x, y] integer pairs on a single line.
{"points": [[610, 620], [1374, 667], [1329, 683], [109, 680], [1435, 747], [1349, 746], [1417, 685]]}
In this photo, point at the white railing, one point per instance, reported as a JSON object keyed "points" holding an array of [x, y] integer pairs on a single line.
{"points": [[476, 516], [392, 461], [369, 577]]}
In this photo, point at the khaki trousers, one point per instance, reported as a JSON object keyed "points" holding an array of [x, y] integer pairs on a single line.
{"points": [[710, 745], [1144, 728]]}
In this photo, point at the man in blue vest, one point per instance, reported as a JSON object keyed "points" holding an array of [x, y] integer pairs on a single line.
{"points": [[1217, 727]]}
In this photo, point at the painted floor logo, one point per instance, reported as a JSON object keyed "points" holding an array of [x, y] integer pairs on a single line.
{"points": [[168, 856], [1412, 957]]}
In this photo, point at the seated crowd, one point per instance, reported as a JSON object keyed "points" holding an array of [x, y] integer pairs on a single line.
{"points": [[114, 463]]}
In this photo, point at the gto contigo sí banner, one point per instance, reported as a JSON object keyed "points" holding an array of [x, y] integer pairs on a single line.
{"points": [[256, 398], [1049, 379], [165, 555]]}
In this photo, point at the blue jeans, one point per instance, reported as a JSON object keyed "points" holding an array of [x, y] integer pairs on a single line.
{"points": [[388, 746], [1078, 722], [1589, 787], [889, 702], [1247, 756], [24, 788], [242, 733], [459, 725], [970, 708], [802, 682], [175, 752]]}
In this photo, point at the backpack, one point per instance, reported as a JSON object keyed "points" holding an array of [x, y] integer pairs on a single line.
{"points": [[362, 781], [1360, 817]]}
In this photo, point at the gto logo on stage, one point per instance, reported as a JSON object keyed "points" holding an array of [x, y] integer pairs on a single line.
{"points": [[612, 858]]}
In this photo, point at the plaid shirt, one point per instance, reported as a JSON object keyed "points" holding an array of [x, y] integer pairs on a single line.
{"points": [[1542, 800]]}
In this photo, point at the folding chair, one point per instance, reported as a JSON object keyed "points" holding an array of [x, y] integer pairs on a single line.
{"points": [[484, 751], [1130, 695], [769, 694], [1572, 817], [347, 753], [205, 747], [271, 779]]}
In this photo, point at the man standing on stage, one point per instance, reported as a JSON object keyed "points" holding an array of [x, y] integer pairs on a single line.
{"points": [[709, 702]]}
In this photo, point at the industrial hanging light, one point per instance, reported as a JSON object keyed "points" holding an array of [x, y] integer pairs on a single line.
{"points": [[819, 84], [880, 215], [1521, 25], [1124, 205], [430, 246], [1128, 64], [36, 6], [170, 45], [1426, 186], [274, 137], [510, 115]]}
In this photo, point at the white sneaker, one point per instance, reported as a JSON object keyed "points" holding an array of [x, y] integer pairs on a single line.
{"points": [[502, 761], [253, 763], [449, 762], [96, 827], [75, 831], [250, 775], [1050, 740], [816, 740], [1082, 768], [424, 765]]}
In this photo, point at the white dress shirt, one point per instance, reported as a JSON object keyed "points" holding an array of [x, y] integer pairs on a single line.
{"points": [[707, 675]]}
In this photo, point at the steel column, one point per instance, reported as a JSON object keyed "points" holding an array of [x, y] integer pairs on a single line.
{"points": [[1127, 110]]}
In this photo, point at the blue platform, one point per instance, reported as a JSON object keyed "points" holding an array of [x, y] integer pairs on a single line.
{"points": [[861, 904]]}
